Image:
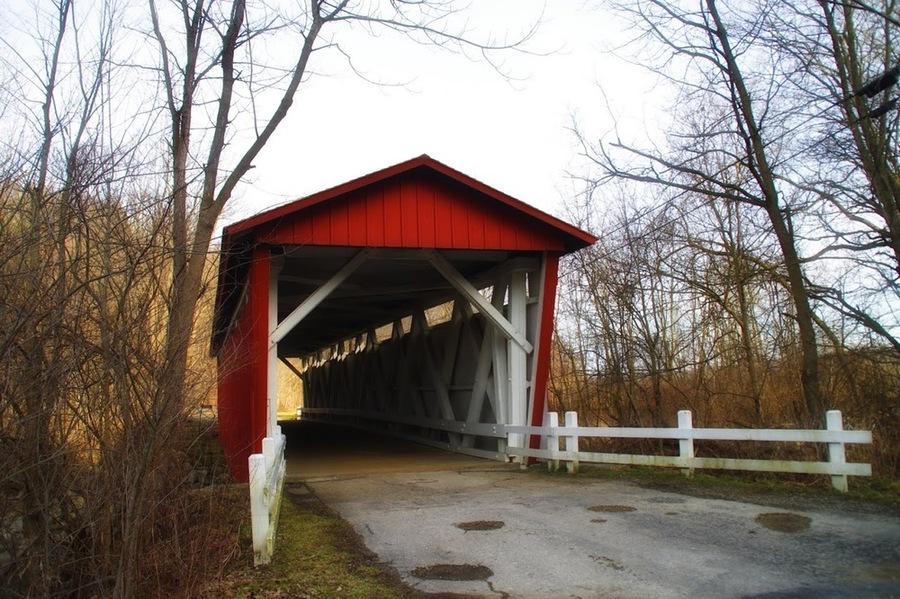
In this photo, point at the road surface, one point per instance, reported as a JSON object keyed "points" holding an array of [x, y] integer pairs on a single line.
{"points": [[495, 531]]}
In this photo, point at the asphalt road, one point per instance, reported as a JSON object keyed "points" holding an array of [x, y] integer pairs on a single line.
{"points": [[508, 533]]}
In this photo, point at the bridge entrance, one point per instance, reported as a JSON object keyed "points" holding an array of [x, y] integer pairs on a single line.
{"points": [[415, 301], [317, 450]]}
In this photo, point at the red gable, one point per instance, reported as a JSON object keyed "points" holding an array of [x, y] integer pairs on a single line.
{"points": [[420, 203]]}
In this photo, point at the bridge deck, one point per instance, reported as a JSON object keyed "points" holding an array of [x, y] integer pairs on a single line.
{"points": [[316, 450]]}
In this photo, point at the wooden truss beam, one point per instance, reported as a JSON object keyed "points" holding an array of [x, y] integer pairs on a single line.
{"points": [[317, 297], [470, 293]]}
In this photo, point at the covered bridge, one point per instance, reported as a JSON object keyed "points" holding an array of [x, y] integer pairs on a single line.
{"points": [[415, 299]]}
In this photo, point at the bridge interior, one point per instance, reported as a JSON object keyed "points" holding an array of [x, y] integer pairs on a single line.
{"points": [[398, 347], [384, 287]]}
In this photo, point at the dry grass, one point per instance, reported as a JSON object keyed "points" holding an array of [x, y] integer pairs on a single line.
{"points": [[317, 555]]}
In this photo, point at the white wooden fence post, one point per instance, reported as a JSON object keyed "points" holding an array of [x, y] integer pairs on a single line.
{"points": [[259, 508], [552, 441], [836, 455], [267, 471], [686, 445], [572, 443], [268, 450]]}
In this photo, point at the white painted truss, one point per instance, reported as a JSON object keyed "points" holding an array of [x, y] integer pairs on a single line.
{"points": [[465, 374]]}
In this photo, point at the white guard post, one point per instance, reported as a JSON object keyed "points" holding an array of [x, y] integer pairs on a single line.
{"points": [[266, 480]]}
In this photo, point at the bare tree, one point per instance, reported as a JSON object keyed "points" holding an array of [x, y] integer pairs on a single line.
{"points": [[101, 272], [740, 134], [677, 305], [841, 63], [627, 317], [201, 79], [41, 347]]}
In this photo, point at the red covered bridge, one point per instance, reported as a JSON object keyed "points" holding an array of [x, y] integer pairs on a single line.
{"points": [[418, 300]]}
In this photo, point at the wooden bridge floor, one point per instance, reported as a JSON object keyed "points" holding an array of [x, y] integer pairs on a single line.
{"points": [[316, 450]]}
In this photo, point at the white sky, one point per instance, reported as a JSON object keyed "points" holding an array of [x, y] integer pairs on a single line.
{"points": [[511, 135]]}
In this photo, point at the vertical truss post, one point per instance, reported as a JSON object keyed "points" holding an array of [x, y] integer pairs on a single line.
{"points": [[518, 376]]}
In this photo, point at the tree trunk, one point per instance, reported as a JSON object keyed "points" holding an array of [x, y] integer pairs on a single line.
{"points": [[762, 172]]}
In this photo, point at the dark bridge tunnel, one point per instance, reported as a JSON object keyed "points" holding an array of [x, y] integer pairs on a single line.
{"points": [[321, 450]]}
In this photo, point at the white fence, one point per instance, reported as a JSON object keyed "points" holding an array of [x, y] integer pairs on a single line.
{"points": [[266, 480], [834, 435]]}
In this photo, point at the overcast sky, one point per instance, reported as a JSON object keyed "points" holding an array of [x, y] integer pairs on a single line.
{"points": [[510, 134]]}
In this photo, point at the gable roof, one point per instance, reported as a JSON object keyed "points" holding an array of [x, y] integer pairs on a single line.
{"points": [[572, 238]]}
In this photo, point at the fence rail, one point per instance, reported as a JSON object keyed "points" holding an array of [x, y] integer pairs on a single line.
{"points": [[266, 481], [834, 436]]}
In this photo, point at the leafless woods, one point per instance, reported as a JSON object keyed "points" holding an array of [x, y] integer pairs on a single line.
{"points": [[748, 264], [127, 127]]}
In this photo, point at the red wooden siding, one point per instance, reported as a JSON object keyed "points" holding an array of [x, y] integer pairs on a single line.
{"points": [[242, 380], [234, 401], [259, 314], [415, 210], [544, 341]]}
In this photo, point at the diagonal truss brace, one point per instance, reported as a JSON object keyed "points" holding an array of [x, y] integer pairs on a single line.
{"points": [[317, 297], [470, 293]]}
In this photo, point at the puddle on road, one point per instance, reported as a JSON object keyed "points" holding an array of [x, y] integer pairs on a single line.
{"points": [[612, 509], [784, 522], [453, 572], [480, 525]]}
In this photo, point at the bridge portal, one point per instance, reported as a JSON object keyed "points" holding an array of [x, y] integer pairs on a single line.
{"points": [[415, 300]]}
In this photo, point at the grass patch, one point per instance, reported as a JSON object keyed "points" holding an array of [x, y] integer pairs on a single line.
{"points": [[884, 490], [317, 555], [731, 485]]}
